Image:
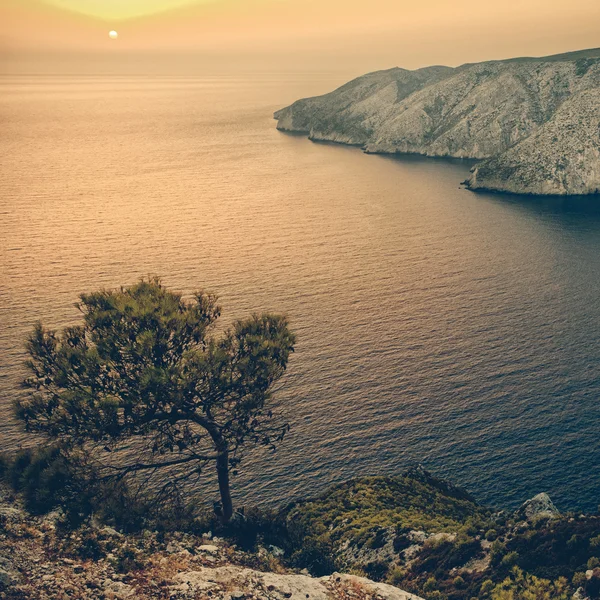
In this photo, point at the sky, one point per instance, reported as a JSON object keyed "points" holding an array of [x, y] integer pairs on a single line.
{"points": [[355, 35]]}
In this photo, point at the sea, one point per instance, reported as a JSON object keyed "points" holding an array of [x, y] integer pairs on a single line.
{"points": [[435, 326]]}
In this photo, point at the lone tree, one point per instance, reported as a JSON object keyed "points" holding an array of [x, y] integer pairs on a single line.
{"points": [[146, 366]]}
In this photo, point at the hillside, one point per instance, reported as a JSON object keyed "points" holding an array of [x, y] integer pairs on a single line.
{"points": [[532, 122], [431, 538], [408, 537], [41, 560]]}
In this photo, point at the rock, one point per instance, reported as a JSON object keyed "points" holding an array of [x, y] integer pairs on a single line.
{"points": [[247, 581], [12, 514], [193, 582], [7, 579], [208, 548], [382, 590], [172, 548], [276, 551], [558, 159], [538, 507], [533, 122], [110, 532], [295, 587], [117, 589]]}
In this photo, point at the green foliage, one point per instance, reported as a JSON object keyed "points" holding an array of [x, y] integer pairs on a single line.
{"points": [[497, 552], [430, 584], [522, 586], [46, 479], [486, 588], [583, 65], [144, 365], [557, 547], [396, 576], [361, 509], [315, 555], [593, 562], [509, 560], [447, 555], [436, 595]]}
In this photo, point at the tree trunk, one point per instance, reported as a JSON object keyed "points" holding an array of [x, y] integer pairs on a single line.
{"points": [[223, 476]]}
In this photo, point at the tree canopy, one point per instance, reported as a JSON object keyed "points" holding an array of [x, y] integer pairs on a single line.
{"points": [[147, 365]]}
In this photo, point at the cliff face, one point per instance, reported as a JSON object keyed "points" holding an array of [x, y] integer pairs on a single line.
{"points": [[534, 122]]}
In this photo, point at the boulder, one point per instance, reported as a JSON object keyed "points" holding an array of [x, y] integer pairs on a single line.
{"points": [[538, 507]]}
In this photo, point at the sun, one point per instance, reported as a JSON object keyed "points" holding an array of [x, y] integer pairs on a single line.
{"points": [[113, 35]]}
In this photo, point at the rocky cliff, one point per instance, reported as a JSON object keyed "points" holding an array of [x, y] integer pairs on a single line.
{"points": [[532, 122]]}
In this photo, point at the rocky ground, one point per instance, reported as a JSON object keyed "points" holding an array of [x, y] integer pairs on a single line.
{"points": [[40, 561], [412, 532]]}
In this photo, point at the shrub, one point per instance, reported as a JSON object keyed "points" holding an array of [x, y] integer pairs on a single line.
{"points": [[430, 584], [396, 576], [436, 595], [377, 570], [592, 585], [486, 587], [510, 559], [491, 535], [497, 551], [521, 585], [593, 562], [316, 556], [47, 477]]}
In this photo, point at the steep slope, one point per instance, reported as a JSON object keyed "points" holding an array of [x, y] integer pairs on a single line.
{"points": [[431, 538], [477, 111], [562, 157], [353, 112]]}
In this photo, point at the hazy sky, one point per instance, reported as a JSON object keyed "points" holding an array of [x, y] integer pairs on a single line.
{"points": [[349, 34]]}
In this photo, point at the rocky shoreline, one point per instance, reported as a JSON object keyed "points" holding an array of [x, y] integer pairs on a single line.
{"points": [[533, 124]]}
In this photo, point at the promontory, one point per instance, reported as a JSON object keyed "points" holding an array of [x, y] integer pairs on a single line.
{"points": [[532, 124]]}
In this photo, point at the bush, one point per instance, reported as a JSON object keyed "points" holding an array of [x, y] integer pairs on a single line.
{"points": [[592, 585], [491, 535], [46, 478], [497, 552], [377, 570], [593, 562], [396, 576], [486, 587], [522, 585], [316, 556], [127, 559], [510, 560], [430, 584]]}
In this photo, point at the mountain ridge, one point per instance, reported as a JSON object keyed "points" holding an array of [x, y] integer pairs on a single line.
{"points": [[484, 111]]}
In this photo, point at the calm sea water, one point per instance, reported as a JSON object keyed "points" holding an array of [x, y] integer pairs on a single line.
{"points": [[435, 326]]}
